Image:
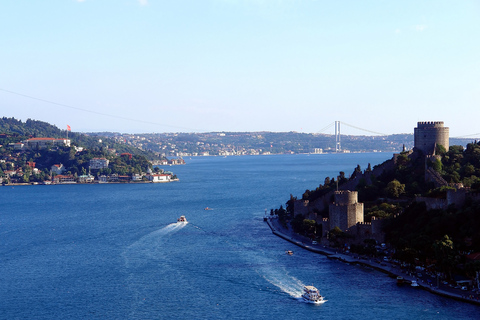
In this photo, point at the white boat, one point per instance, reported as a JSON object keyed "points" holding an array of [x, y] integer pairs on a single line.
{"points": [[414, 283], [182, 219], [312, 295]]}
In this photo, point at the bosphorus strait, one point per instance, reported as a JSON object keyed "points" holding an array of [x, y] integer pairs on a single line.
{"points": [[116, 251]]}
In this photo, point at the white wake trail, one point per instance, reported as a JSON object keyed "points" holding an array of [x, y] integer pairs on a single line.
{"points": [[282, 280], [149, 246]]}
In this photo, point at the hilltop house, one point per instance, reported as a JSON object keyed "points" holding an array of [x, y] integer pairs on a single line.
{"points": [[98, 163], [58, 168], [44, 143]]}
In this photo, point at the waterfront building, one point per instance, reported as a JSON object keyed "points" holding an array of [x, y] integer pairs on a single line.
{"points": [[86, 178], [61, 179], [136, 177], [162, 177]]}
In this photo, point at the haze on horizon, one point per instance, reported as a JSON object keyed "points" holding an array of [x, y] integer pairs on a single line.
{"points": [[139, 66]]}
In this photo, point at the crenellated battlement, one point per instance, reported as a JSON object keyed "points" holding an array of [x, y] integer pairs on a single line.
{"points": [[430, 124], [345, 197], [429, 134], [364, 223]]}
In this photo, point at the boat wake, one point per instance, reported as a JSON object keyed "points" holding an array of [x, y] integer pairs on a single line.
{"points": [[149, 246], [271, 269], [282, 280]]}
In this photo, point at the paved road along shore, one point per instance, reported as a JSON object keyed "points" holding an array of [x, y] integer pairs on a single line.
{"points": [[385, 267]]}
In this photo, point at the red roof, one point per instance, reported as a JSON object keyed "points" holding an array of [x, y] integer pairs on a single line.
{"points": [[41, 139]]}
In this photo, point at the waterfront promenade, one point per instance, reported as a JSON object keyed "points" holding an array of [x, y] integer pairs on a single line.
{"points": [[426, 282]]}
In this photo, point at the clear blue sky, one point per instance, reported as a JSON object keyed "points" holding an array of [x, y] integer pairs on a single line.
{"points": [[138, 66]]}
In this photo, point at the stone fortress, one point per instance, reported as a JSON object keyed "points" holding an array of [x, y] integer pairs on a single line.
{"points": [[347, 213], [428, 135]]}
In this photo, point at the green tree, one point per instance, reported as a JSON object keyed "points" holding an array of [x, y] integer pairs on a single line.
{"points": [[437, 165], [395, 188], [25, 178], [445, 254]]}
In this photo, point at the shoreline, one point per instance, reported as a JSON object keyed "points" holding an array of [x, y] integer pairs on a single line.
{"points": [[384, 267], [81, 183]]}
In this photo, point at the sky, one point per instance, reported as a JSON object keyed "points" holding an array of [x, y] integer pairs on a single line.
{"points": [[144, 66]]}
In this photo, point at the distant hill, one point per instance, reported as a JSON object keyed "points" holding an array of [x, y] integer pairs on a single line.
{"points": [[18, 130], [155, 145]]}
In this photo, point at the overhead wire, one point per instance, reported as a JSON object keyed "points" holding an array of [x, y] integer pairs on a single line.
{"points": [[96, 112]]}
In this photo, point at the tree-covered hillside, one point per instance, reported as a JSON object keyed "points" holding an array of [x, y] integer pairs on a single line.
{"points": [[22, 164], [15, 130], [442, 236]]}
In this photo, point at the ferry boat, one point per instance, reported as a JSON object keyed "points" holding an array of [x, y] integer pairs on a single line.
{"points": [[312, 295], [182, 219]]}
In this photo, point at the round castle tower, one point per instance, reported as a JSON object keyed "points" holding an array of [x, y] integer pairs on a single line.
{"points": [[346, 197], [346, 211], [431, 133]]}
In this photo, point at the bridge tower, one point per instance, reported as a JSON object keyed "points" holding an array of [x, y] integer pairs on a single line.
{"points": [[338, 147]]}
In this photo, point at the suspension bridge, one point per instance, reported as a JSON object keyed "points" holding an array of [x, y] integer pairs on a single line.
{"points": [[337, 125]]}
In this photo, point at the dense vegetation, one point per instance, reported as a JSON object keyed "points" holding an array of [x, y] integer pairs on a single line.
{"points": [[441, 236], [14, 130], [75, 160]]}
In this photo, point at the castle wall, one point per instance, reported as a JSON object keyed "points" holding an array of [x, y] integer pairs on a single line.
{"points": [[427, 134], [435, 177], [346, 211], [456, 197], [433, 203], [366, 230], [325, 222]]}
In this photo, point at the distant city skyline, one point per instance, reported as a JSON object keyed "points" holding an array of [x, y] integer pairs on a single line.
{"points": [[142, 66]]}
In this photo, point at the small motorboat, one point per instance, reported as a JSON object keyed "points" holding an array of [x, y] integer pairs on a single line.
{"points": [[207, 208], [289, 252], [312, 295], [400, 280], [414, 283], [182, 219]]}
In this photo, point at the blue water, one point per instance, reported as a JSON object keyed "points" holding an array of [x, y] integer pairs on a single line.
{"points": [[115, 251]]}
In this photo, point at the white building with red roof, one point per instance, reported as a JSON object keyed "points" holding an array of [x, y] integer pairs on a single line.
{"points": [[161, 177], [45, 143]]}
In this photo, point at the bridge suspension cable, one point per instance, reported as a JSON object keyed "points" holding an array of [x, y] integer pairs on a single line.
{"points": [[349, 125], [326, 128], [467, 136], [358, 128]]}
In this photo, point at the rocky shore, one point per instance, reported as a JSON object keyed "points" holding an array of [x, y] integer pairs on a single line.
{"points": [[425, 282]]}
